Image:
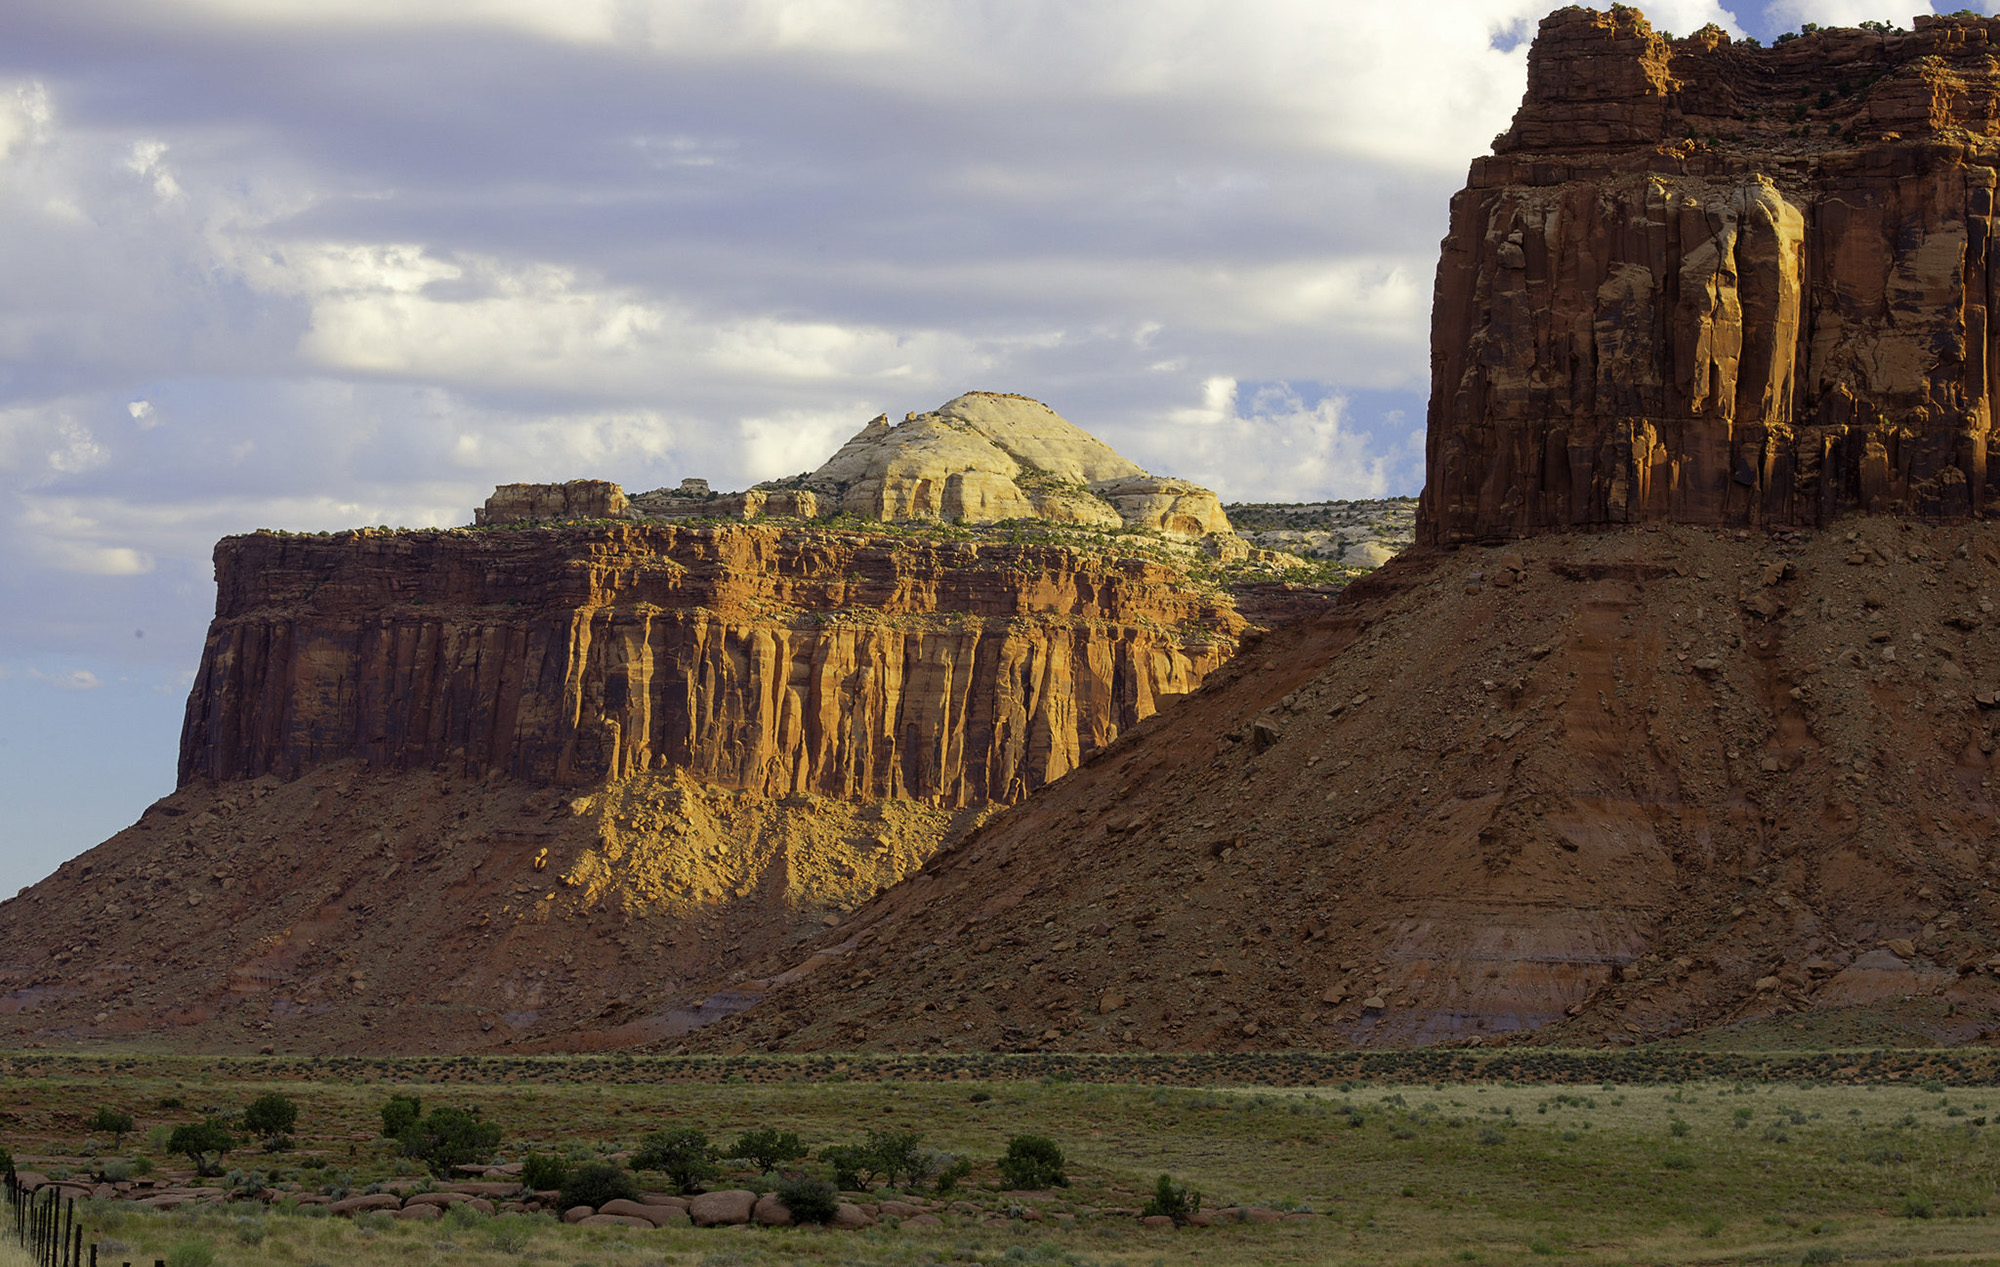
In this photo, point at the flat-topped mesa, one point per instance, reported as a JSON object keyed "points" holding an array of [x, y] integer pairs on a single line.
{"points": [[781, 661], [1708, 282]]}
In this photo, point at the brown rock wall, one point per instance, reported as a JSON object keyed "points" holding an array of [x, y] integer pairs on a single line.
{"points": [[770, 660], [1707, 283]]}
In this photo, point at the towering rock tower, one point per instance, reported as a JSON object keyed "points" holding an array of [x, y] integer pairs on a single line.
{"points": [[1708, 282]]}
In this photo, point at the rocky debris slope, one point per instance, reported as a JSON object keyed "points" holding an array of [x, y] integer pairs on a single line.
{"points": [[1362, 534], [1594, 789], [359, 910], [1700, 281]]}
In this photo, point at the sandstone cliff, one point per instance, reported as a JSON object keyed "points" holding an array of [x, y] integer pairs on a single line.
{"points": [[1704, 282], [780, 661]]}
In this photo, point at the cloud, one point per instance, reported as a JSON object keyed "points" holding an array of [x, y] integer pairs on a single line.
{"points": [[143, 414], [1789, 14], [1272, 447], [73, 680]]}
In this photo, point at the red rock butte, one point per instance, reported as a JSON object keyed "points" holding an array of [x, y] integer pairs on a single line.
{"points": [[1704, 281]]}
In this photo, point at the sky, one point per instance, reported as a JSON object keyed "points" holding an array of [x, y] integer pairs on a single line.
{"points": [[314, 264]]}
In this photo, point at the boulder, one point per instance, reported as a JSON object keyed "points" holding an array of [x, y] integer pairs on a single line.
{"points": [[578, 1213], [1157, 1222], [901, 1209], [850, 1216], [614, 1220], [420, 1212], [771, 1212], [654, 1215], [369, 1201], [435, 1198], [732, 1205]]}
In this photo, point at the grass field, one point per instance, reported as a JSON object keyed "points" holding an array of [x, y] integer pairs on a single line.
{"points": [[1492, 1172]]}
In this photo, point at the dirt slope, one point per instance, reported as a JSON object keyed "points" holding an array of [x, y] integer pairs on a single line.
{"points": [[385, 911], [1602, 787]]}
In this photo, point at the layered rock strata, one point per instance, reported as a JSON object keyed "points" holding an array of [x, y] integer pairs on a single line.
{"points": [[1705, 282], [779, 661]]}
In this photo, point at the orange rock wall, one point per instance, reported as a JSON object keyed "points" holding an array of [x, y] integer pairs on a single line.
{"points": [[776, 660], [1710, 283]]}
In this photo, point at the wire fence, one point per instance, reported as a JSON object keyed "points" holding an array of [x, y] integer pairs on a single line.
{"points": [[46, 1226]]}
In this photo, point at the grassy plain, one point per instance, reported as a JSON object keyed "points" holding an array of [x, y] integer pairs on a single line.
{"points": [[1494, 1172]]}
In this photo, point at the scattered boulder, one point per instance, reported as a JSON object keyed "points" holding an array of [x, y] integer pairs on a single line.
{"points": [[362, 1204], [732, 1205], [771, 1212], [851, 1217]]}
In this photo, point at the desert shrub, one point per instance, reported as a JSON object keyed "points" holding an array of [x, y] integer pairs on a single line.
{"points": [[596, 1183], [809, 1200], [1033, 1161], [203, 1143], [113, 1123], [448, 1138], [272, 1118], [464, 1215], [400, 1114], [1916, 1207], [1174, 1200], [542, 1172], [115, 1171], [510, 1233], [250, 1231], [192, 1252], [946, 1169], [768, 1150], [683, 1155]]}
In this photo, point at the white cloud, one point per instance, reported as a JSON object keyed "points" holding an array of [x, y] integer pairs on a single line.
{"points": [[1791, 13], [1273, 447], [144, 414], [25, 115], [73, 680]]}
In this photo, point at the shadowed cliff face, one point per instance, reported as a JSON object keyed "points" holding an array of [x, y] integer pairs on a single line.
{"points": [[1707, 283], [771, 660]]}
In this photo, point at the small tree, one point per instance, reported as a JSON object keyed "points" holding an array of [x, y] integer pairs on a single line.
{"points": [[449, 1138], [272, 1117], [199, 1141], [113, 1123], [1174, 1200], [900, 1155], [683, 1155], [1033, 1161], [400, 1114], [855, 1168], [769, 1149]]}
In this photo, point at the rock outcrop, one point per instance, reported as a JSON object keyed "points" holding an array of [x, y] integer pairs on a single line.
{"points": [[1699, 281], [983, 457], [550, 503]]}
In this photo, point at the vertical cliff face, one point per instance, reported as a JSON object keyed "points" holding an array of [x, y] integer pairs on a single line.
{"points": [[1710, 283], [780, 661]]}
